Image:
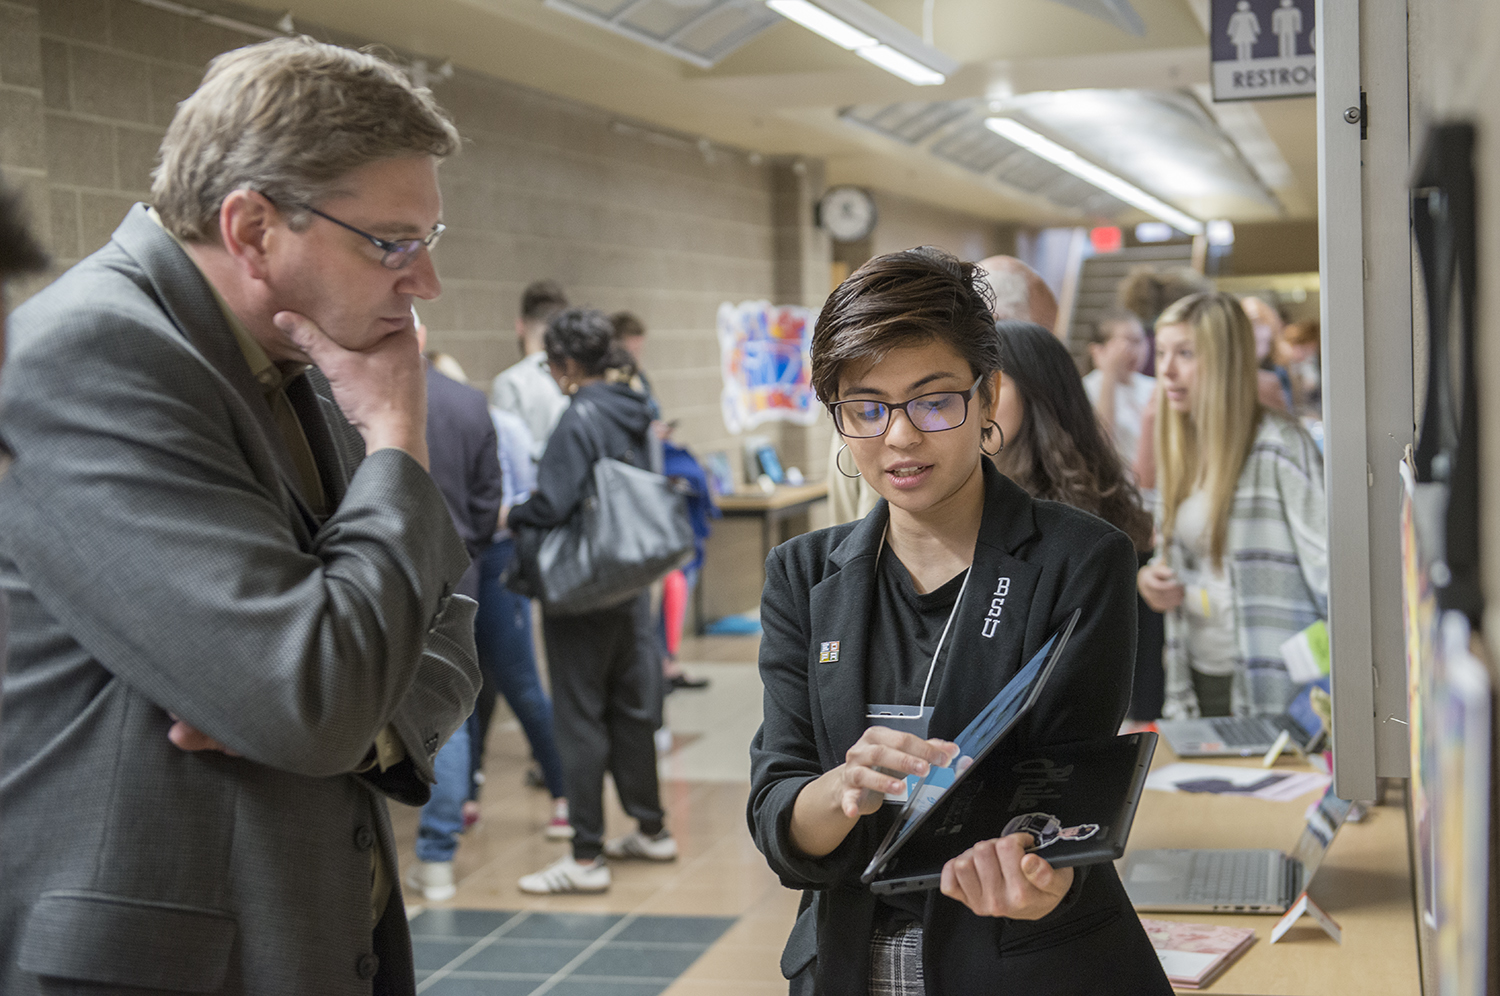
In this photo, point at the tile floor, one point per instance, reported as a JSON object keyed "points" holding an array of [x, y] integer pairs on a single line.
{"points": [[711, 923]]}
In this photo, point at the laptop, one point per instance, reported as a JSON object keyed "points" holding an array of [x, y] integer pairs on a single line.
{"points": [[986, 730], [1247, 736], [1186, 880]]}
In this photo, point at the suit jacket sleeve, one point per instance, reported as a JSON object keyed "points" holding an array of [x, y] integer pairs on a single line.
{"points": [[147, 526], [486, 481]]}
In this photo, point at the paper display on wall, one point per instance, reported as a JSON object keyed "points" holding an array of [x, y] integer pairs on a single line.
{"points": [[764, 355]]}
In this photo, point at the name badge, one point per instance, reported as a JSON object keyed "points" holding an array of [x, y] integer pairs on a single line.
{"points": [[907, 719]]}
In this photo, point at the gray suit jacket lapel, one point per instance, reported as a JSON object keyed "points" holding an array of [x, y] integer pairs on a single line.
{"points": [[179, 286]]}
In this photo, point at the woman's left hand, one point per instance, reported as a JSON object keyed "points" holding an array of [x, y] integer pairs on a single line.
{"points": [[998, 878]]}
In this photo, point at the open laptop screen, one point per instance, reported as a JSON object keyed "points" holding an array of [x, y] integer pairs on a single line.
{"points": [[1322, 823], [1302, 713]]}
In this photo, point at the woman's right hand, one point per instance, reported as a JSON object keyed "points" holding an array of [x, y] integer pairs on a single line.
{"points": [[867, 772], [1158, 585], [830, 805]]}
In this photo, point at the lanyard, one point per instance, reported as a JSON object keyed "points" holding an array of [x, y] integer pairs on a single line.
{"points": [[937, 651]]}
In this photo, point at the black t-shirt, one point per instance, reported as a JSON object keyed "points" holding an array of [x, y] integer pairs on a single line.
{"points": [[904, 631]]}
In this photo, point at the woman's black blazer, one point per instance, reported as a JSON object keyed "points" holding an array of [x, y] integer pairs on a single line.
{"points": [[820, 589]]}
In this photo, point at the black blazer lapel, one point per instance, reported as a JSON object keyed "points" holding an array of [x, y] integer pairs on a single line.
{"points": [[991, 634], [840, 607]]}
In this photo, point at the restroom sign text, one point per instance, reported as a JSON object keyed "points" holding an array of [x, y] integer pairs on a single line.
{"points": [[1263, 49]]}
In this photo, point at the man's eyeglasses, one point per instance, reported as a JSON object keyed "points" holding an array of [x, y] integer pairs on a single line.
{"points": [[398, 252], [936, 412]]}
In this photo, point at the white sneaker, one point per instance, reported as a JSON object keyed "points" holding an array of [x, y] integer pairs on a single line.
{"points": [[567, 875], [662, 847], [433, 879]]}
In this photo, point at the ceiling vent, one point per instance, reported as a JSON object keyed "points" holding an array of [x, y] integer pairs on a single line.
{"points": [[909, 121], [698, 31], [954, 131]]}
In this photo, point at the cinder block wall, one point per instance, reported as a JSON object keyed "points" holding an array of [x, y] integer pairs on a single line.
{"points": [[543, 188]]}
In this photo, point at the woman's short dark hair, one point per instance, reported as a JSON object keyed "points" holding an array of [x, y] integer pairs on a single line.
{"points": [[587, 336], [1063, 454], [901, 299]]}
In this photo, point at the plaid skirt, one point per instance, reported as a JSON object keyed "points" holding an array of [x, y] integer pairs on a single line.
{"points": [[896, 962]]}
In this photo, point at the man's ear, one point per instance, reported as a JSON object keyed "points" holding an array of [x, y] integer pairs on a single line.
{"points": [[245, 220]]}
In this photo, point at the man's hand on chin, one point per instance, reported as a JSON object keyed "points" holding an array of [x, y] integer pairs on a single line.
{"points": [[381, 390]]}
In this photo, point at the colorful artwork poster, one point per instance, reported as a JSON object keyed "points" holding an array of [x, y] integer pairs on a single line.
{"points": [[764, 354]]}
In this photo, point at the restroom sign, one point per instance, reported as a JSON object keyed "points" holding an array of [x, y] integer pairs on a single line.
{"points": [[1262, 49]]}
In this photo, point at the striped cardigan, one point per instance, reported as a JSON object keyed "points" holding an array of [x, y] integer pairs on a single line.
{"points": [[1277, 556]]}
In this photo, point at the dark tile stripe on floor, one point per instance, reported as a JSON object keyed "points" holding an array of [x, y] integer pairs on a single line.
{"points": [[508, 953]]}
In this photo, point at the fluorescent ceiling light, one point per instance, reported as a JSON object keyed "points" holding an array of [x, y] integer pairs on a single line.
{"points": [[1221, 233], [1015, 131], [1153, 231], [819, 21], [903, 66], [874, 37]]}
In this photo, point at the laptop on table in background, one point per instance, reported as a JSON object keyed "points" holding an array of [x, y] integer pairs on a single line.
{"points": [[1186, 880], [1247, 736]]}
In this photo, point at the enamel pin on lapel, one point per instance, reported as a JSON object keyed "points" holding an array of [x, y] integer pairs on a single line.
{"points": [[828, 653]]}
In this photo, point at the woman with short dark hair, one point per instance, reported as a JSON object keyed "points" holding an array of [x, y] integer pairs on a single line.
{"points": [[605, 694], [883, 610]]}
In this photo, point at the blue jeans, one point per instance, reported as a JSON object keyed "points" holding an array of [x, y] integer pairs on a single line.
{"points": [[507, 656], [442, 817]]}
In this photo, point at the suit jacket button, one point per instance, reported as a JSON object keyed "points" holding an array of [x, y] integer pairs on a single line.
{"points": [[431, 743], [364, 838], [367, 966]]}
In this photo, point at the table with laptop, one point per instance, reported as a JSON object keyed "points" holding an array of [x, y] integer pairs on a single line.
{"points": [[1206, 854], [1231, 860]]}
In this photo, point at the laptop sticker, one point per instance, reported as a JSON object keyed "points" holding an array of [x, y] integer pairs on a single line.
{"points": [[1047, 829]]}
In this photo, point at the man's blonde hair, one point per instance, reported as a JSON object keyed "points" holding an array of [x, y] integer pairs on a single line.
{"points": [[1207, 447], [288, 118]]}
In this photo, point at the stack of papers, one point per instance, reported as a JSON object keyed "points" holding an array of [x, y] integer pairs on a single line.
{"points": [[1193, 954], [1225, 779]]}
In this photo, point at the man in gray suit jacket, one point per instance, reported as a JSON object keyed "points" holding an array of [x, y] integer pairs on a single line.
{"points": [[230, 575]]}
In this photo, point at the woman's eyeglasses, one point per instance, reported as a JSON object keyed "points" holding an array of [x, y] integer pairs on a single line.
{"points": [[936, 412], [398, 252]]}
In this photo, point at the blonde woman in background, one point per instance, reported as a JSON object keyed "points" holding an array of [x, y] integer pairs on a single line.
{"points": [[1242, 559]]}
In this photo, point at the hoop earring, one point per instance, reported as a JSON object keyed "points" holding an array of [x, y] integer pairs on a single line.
{"points": [[840, 466], [986, 452]]}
